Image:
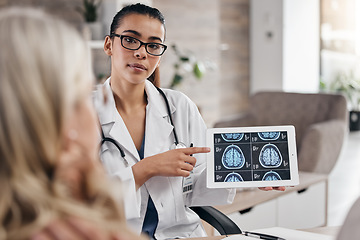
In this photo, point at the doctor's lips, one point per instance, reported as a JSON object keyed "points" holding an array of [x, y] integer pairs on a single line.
{"points": [[137, 66]]}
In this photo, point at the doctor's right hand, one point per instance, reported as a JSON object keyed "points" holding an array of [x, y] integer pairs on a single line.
{"points": [[173, 163]]}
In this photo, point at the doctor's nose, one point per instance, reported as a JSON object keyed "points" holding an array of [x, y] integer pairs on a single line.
{"points": [[140, 53]]}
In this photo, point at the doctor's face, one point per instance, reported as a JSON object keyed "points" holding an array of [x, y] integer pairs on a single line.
{"points": [[135, 65]]}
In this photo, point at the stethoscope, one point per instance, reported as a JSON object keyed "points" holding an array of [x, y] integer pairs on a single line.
{"points": [[176, 144]]}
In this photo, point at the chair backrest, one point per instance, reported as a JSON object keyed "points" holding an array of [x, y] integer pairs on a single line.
{"points": [[222, 223], [298, 109], [320, 120], [350, 227]]}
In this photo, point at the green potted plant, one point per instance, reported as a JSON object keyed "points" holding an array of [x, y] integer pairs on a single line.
{"points": [[349, 85], [187, 65], [89, 10]]}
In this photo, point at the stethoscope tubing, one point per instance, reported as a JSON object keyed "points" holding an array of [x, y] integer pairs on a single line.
{"points": [[169, 113], [117, 145]]}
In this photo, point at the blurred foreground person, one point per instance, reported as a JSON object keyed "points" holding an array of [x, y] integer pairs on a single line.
{"points": [[350, 228], [52, 183]]}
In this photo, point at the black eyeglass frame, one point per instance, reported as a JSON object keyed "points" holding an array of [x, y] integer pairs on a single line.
{"points": [[141, 43]]}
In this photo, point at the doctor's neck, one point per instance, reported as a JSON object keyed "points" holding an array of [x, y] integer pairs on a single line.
{"points": [[128, 96]]}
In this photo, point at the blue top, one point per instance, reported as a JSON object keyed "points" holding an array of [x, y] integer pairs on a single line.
{"points": [[151, 217]]}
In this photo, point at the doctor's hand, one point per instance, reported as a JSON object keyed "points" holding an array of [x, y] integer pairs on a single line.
{"points": [[173, 163]]}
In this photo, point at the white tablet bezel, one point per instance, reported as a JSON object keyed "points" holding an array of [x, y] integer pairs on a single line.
{"points": [[294, 175]]}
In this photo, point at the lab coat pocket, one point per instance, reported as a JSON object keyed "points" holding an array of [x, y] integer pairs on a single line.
{"points": [[199, 231]]}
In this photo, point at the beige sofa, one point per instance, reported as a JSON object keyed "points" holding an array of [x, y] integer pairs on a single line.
{"points": [[320, 120]]}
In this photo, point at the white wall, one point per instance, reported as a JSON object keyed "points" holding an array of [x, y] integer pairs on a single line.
{"points": [[110, 7], [284, 45], [266, 52], [301, 45], [194, 27]]}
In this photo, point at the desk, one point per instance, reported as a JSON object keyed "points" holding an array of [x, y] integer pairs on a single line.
{"points": [[331, 231], [273, 208]]}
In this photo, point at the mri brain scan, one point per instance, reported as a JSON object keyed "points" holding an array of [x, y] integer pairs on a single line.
{"points": [[233, 177], [270, 156], [269, 135], [271, 176], [232, 137], [233, 157]]}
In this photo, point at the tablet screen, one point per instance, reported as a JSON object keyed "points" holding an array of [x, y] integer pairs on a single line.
{"points": [[261, 156]]}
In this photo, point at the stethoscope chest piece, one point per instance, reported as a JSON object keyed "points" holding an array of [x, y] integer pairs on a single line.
{"points": [[178, 146]]}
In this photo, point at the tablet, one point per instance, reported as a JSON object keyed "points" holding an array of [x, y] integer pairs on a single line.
{"points": [[252, 157]]}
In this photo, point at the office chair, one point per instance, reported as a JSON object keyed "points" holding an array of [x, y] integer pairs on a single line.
{"points": [[222, 223]]}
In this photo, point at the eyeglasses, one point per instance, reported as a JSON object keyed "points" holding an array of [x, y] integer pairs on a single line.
{"points": [[131, 43]]}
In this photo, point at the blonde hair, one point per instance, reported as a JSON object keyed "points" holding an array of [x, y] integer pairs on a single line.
{"points": [[44, 70]]}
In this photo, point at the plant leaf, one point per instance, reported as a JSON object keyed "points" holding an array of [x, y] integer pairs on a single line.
{"points": [[176, 80], [199, 70]]}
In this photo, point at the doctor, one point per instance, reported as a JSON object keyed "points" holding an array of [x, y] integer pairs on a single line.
{"points": [[160, 176]]}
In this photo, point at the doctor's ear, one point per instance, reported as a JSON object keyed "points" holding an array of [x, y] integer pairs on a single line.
{"points": [[108, 45]]}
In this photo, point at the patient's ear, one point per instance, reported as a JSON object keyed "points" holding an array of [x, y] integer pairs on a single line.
{"points": [[108, 46], [69, 140]]}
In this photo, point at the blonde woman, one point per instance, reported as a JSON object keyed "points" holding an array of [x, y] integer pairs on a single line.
{"points": [[52, 185]]}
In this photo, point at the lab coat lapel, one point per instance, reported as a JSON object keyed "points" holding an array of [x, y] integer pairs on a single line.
{"points": [[113, 124], [158, 135], [121, 133]]}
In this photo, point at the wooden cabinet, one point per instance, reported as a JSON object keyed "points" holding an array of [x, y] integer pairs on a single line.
{"points": [[302, 206], [260, 216], [304, 209]]}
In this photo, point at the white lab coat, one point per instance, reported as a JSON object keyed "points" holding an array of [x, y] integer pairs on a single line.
{"points": [[176, 220]]}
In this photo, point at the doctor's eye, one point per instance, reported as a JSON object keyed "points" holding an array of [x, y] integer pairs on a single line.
{"points": [[130, 40], [154, 46]]}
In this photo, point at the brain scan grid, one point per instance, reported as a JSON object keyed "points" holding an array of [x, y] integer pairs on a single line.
{"points": [[233, 177], [233, 157], [255, 156], [232, 137], [270, 156], [269, 135]]}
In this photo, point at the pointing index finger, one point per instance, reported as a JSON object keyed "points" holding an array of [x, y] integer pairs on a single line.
{"points": [[194, 150]]}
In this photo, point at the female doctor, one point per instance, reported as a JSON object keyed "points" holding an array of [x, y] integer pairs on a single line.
{"points": [[151, 155]]}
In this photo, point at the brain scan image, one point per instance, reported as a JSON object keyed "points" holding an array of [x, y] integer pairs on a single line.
{"points": [[233, 157], [232, 137], [271, 176], [233, 177], [269, 135], [270, 156]]}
